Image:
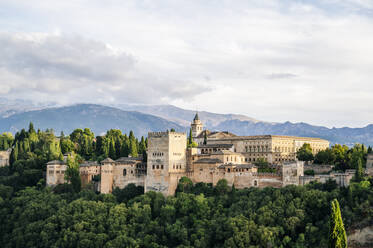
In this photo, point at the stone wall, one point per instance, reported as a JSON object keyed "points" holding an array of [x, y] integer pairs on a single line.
{"points": [[166, 161], [291, 172], [342, 179], [319, 169], [369, 165], [55, 173], [5, 157], [107, 176], [127, 173]]}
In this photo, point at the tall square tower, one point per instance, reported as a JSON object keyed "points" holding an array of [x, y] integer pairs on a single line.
{"points": [[166, 161]]}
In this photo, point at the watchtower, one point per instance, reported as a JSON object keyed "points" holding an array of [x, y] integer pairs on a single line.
{"points": [[166, 161], [197, 126]]}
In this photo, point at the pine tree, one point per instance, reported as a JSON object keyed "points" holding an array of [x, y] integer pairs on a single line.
{"points": [[337, 233]]}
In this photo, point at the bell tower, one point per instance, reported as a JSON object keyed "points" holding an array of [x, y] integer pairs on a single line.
{"points": [[197, 126]]}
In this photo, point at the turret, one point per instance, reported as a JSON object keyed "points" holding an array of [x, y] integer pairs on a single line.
{"points": [[197, 126]]}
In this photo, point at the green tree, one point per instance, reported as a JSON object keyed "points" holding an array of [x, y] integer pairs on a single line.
{"points": [[66, 145], [185, 185], [359, 173], [325, 157], [133, 145], [337, 233], [72, 172], [205, 138], [305, 153], [190, 142], [31, 128]]}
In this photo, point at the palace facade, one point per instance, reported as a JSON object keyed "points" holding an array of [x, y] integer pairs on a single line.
{"points": [[219, 155]]}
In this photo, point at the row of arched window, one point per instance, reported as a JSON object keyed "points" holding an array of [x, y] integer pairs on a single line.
{"points": [[157, 167], [177, 166], [159, 154]]}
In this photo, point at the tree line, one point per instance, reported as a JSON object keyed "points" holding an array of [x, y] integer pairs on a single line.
{"points": [[33, 149], [341, 156], [198, 215]]}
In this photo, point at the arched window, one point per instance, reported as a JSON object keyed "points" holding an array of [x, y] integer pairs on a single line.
{"points": [[162, 166], [124, 172], [255, 183], [157, 166]]}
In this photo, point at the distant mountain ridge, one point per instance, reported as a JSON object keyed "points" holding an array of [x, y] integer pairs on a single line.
{"points": [[243, 125], [183, 116], [96, 117], [144, 118]]}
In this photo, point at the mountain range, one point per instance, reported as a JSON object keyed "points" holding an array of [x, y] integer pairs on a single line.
{"points": [[144, 118]]}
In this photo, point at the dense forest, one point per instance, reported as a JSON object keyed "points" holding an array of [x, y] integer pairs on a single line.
{"points": [[199, 215]]}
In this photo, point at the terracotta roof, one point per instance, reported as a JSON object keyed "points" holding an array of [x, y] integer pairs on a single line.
{"points": [[225, 152], [208, 161], [126, 159], [55, 162], [89, 163], [216, 146], [241, 166], [107, 160], [224, 134]]}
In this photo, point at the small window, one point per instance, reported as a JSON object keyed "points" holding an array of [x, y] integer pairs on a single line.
{"points": [[157, 166], [124, 172], [153, 166], [255, 183], [162, 166]]}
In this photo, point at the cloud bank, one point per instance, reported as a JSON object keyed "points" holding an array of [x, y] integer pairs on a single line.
{"points": [[273, 60]]}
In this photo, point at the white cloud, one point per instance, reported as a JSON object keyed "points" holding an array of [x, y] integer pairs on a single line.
{"points": [[274, 60]]}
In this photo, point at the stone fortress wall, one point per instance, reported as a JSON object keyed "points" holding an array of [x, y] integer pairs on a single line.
{"points": [[224, 156], [166, 162], [369, 167], [5, 157]]}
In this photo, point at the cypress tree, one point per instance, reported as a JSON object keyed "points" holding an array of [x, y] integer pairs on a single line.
{"points": [[190, 138], [359, 174], [112, 153], [205, 138], [337, 233], [124, 149], [31, 128], [133, 145], [14, 154]]}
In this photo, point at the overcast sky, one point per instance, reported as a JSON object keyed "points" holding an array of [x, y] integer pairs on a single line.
{"points": [[309, 61]]}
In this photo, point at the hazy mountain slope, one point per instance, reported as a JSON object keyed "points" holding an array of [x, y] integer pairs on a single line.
{"points": [[184, 116], [10, 107], [344, 135], [96, 117], [101, 118]]}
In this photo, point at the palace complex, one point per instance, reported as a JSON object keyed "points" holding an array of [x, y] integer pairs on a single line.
{"points": [[218, 155]]}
